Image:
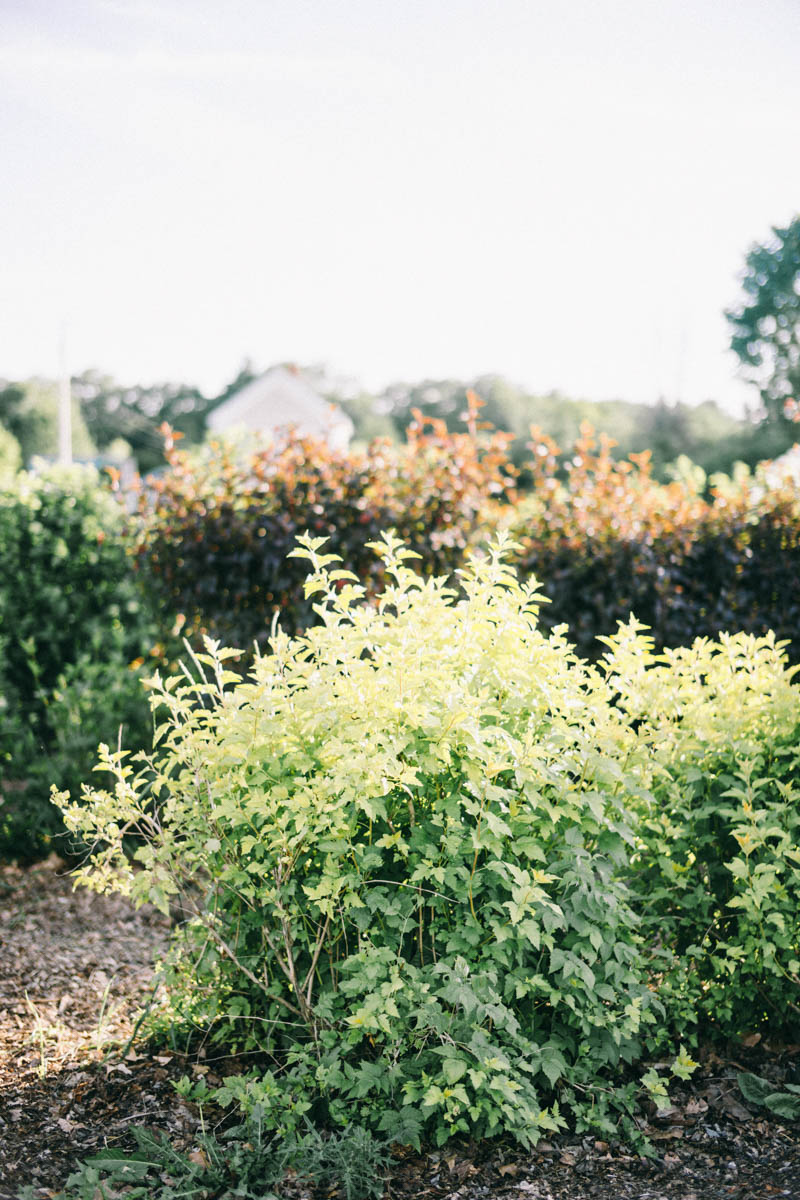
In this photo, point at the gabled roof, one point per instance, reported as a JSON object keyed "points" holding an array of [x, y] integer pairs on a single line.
{"points": [[280, 398]]}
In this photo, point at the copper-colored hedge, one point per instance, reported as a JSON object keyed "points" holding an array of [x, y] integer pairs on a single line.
{"points": [[215, 533], [602, 536], [609, 541]]}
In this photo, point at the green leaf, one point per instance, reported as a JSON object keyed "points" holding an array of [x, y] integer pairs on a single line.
{"points": [[783, 1104], [753, 1088], [454, 1069], [553, 1064]]}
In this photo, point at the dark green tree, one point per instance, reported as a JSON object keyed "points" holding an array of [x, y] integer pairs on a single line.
{"points": [[765, 328], [112, 410]]}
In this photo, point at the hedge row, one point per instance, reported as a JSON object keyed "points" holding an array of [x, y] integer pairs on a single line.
{"points": [[605, 540], [72, 620], [603, 537], [212, 544], [216, 531]]}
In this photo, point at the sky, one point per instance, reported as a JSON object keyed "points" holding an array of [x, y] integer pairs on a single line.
{"points": [[560, 193]]}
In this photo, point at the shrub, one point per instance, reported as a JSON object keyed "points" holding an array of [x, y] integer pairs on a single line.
{"points": [[216, 530], [608, 541], [718, 877], [71, 621], [399, 846]]}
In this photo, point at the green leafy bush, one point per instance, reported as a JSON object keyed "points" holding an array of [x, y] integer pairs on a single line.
{"points": [[718, 878], [399, 847], [71, 621], [216, 531], [449, 878], [606, 541]]}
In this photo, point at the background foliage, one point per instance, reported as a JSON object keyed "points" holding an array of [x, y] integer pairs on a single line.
{"points": [[71, 622], [765, 327], [705, 433], [107, 412], [29, 412], [602, 536], [607, 541], [217, 529]]}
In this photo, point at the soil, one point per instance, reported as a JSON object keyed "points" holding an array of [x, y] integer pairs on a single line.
{"points": [[75, 969]]}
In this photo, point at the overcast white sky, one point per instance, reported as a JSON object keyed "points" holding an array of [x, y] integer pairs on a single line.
{"points": [[559, 192]]}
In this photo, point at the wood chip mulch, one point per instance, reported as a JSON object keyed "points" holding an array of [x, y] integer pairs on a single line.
{"points": [[75, 970]]}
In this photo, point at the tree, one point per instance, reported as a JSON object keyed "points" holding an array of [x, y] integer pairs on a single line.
{"points": [[765, 328], [112, 410], [29, 411]]}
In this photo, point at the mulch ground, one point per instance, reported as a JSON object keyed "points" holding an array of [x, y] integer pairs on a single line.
{"points": [[76, 968]]}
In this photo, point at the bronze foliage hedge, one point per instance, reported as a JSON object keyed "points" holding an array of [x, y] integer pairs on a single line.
{"points": [[602, 536]]}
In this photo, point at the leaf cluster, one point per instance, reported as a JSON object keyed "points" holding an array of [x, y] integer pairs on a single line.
{"points": [[718, 870], [784, 1102]]}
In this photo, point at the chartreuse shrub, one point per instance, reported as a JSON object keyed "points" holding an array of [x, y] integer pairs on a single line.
{"points": [[399, 846], [718, 877], [71, 622]]}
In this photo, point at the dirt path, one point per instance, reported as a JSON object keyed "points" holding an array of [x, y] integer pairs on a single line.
{"points": [[75, 967]]}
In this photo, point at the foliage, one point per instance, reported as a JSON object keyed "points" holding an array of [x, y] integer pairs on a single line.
{"points": [[136, 413], [765, 328], [241, 1165], [783, 1102], [609, 541], [71, 621], [718, 877], [29, 411], [398, 846], [216, 530], [709, 436], [451, 879], [10, 456]]}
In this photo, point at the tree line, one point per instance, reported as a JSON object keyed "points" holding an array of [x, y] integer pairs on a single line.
{"points": [[110, 417]]}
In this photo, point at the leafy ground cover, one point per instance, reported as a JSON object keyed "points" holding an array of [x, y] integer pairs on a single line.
{"points": [[66, 1094]]}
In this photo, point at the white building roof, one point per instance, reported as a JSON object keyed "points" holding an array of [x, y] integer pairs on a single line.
{"points": [[278, 399]]}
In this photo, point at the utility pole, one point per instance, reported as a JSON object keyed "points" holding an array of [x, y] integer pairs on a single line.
{"points": [[64, 405]]}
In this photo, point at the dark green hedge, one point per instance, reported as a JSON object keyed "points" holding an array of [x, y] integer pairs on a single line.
{"points": [[71, 622]]}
